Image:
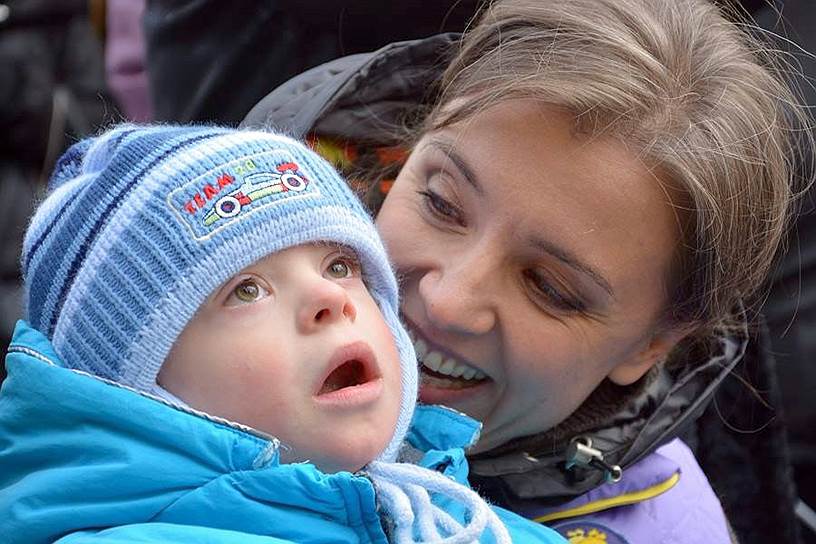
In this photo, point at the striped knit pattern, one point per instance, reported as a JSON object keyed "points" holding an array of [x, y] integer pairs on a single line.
{"points": [[141, 224]]}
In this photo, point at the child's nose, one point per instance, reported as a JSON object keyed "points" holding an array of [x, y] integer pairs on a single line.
{"points": [[325, 303]]}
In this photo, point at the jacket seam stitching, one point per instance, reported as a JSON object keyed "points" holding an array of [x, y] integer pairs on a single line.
{"points": [[33, 353]]}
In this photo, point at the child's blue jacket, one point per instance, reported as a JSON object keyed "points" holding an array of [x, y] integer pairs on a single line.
{"points": [[83, 460]]}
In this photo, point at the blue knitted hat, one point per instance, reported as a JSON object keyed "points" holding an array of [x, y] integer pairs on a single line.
{"points": [[142, 224]]}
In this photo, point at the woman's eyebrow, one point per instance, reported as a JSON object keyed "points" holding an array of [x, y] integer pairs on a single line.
{"points": [[573, 262], [448, 149]]}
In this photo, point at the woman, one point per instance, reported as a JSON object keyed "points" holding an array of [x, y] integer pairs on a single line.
{"points": [[594, 189]]}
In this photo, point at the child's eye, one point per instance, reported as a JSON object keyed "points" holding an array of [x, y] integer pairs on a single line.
{"points": [[248, 291], [342, 267]]}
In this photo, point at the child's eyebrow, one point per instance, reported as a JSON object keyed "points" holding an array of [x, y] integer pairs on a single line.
{"points": [[337, 245], [332, 244]]}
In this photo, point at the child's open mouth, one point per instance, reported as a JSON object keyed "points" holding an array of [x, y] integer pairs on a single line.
{"points": [[353, 377], [348, 374]]}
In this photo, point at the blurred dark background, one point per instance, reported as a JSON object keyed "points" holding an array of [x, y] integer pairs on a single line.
{"points": [[70, 67]]}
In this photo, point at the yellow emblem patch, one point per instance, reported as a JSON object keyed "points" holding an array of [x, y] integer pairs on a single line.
{"points": [[588, 532], [582, 536]]}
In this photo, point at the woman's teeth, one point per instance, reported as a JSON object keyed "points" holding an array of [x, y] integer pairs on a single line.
{"points": [[441, 364]]}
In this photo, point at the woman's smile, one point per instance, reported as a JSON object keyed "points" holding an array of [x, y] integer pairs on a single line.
{"points": [[442, 369]]}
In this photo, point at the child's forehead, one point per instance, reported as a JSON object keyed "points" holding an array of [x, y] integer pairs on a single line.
{"points": [[316, 250]]}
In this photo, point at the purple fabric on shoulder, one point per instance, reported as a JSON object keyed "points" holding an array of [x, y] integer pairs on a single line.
{"points": [[669, 501]]}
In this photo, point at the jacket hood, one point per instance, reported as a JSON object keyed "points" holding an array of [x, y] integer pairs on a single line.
{"points": [[362, 98]]}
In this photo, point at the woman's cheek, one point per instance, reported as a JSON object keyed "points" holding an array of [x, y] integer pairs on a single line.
{"points": [[552, 369], [404, 234]]}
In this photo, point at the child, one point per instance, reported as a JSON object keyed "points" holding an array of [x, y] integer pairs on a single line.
{"points": [[233, 276]]}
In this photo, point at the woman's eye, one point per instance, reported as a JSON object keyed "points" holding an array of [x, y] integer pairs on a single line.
{"points": [[544, 289], [248, 291], [342, 267], [442, 208]]}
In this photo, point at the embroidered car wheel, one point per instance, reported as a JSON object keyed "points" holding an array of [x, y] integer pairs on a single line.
{"points": [[227, 206]]}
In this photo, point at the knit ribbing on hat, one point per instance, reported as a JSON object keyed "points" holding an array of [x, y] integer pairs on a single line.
{"points": [[143, 223]]}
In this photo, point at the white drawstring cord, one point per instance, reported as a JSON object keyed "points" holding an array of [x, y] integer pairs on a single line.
{"points": [[444, 520], [405, 490], [421, 502], [398, 507]]}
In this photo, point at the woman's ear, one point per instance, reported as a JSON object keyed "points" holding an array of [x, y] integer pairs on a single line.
{"points": [[657, 350]]}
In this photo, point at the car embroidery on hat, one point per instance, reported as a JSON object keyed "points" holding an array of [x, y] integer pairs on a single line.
{"points": [[584, 532], [256, 187], [214, 200]]}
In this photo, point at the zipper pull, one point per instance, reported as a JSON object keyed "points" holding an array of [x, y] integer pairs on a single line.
{"points": [[581, 453]]}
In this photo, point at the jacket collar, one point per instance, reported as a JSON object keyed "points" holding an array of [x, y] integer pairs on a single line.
{"points": [[669, 403]]}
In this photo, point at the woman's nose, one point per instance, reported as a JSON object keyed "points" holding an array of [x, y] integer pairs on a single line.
{"points": [[457, 295], [324, 303]]}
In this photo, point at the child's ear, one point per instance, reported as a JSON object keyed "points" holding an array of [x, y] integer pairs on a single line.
{"points": [[661, 344]]}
